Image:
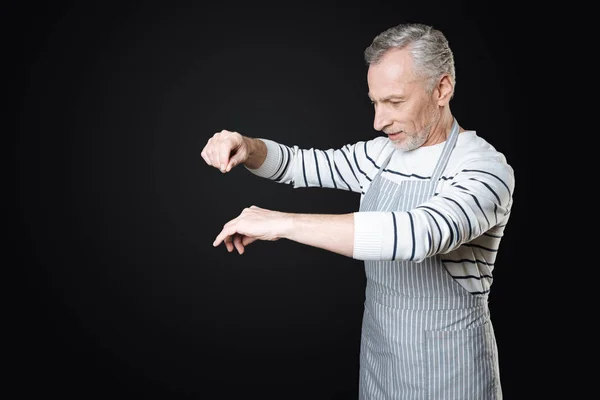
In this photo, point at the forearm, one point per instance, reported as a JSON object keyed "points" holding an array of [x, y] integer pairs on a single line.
{"points": [[334, 233], [257, 153], [331, 168]]}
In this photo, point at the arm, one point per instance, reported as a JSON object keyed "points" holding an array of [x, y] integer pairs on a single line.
{"points": [[257, 153], [477, 200], [334, 233], [346, 168]]}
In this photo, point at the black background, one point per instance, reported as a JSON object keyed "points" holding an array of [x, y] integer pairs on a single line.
{"points": [[116, 210]]}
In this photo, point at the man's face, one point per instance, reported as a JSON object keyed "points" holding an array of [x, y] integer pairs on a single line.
{"points": [[403, 108]]}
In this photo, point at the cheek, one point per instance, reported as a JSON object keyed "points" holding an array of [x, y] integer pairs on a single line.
{"points": [[406, 114], [422, 113]]}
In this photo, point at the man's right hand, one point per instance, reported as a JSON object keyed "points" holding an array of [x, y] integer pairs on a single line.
{"points": [[225, 150]]}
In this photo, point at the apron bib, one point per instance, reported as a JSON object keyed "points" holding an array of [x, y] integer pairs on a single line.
{"points": [[423, 335]]}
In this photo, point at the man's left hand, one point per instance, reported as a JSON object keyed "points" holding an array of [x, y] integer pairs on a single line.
{"points": [[254, 223]]}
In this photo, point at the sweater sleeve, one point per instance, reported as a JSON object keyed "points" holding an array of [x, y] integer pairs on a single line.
{"points": [[345, 168], [478, 199]]}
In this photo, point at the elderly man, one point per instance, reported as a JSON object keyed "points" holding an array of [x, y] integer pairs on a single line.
{"points": [[435, 200]]}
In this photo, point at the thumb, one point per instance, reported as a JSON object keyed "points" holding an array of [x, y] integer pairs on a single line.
{"points": [[234, 161], [246, 240], [224, 158]]}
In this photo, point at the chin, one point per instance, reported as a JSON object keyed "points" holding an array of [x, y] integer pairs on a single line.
{"points": [[408, 143], [399, 141], [401, 146]]}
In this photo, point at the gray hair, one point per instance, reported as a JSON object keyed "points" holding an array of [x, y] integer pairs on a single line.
{"points": [[429, 48]]}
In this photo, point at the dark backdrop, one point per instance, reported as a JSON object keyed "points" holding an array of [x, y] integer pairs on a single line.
{"points": [[116, 210]]}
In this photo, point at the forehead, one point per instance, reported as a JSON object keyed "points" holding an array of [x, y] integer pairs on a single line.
{"points": [[393, 73]]}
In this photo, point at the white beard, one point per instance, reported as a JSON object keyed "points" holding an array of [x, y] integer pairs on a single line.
{"points": [[415, 140], [411, 142]]}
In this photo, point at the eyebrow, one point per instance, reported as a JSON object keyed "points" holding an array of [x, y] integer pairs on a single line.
{"points": [[390, 97]]}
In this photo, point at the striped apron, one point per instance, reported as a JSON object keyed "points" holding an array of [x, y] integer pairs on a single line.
{"points": [[424, 336]]}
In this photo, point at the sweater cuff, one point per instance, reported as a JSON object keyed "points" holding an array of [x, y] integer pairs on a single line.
{"points": [[272, 162], [372, 231]]}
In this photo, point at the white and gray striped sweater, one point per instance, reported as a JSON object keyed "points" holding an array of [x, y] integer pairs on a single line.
{"points": [[464, 222]]}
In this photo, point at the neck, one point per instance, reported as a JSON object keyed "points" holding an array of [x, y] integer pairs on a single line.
{"points": [[440, 130]]}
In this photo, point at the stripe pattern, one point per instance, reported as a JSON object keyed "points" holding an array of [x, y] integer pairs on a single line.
{"points": [[464, 220], [423, 335]]}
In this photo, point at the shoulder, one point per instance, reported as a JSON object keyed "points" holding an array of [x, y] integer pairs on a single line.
{"points": [[473, 153], [473, 148], [375, 148]]}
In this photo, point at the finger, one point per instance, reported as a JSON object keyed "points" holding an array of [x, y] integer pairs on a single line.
{"points": [[234, 161], [246, 240], [213, 156], [237, 241], [223, 158], [208, 151], [205, 157], [223, 235], [210, 157], [228, 244]]}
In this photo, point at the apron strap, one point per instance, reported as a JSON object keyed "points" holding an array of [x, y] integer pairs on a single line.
{"points": [[385, 163], [442, 161], [444, 157]]}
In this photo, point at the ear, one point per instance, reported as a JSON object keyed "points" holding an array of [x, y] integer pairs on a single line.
{"points": [[444, 90]]}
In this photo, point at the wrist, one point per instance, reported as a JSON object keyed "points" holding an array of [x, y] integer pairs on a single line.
{"points": [[289, 223], [253, 159]]}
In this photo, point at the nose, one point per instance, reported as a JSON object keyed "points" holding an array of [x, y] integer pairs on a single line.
{"points": [[381, 119]]}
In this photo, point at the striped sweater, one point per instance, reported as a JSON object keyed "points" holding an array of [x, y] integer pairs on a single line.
{"points": [[463, 222]]}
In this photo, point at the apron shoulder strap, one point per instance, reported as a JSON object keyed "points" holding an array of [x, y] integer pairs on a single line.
{"points": [[446, 152], [442, 161], [384, 164]]}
